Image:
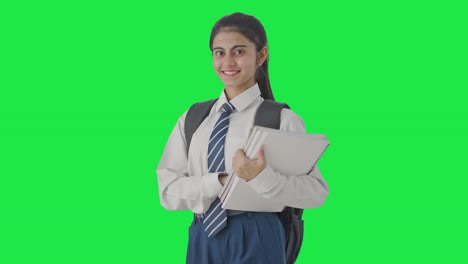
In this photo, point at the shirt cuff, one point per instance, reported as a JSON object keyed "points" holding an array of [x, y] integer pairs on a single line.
{"points": [[265, 180], [211, 184]]}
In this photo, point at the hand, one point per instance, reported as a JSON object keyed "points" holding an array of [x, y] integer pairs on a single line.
{"points": [[248, 169]]}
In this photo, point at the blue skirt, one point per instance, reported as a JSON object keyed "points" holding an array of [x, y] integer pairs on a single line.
{"points": [[252, 237]]}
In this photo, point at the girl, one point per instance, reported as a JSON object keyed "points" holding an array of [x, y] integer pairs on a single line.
{"points": [[192, 181]]}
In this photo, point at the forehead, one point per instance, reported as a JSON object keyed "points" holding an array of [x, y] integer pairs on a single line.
{"points": [[227, 39]]}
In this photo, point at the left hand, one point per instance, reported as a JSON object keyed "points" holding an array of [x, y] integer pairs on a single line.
{"points": [[248, 169]]}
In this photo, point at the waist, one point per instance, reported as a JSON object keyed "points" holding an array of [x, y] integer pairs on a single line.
{"points": [[229, 213]]}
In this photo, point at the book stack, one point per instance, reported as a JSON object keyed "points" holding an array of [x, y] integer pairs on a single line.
{"points": [[287, 153]]}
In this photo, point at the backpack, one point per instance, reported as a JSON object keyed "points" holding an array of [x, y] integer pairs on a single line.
{"points": [[268, 115]]}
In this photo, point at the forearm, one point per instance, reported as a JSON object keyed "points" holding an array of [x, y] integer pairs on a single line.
{"points": [[303, 191], [177, 191]]}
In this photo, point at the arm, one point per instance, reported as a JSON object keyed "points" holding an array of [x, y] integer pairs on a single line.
{"points": [[303, 191], [177, 189]]}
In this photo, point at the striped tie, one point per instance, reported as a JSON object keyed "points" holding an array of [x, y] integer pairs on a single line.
{"points": [[215, 218]]}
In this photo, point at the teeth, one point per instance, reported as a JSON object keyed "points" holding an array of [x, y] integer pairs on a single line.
{"points": [[231, 72]]}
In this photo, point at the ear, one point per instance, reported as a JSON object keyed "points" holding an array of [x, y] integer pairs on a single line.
{"points": [[262, 55]]}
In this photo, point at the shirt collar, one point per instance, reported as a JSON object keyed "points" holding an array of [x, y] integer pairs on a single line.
{"points": [[241, 101]]}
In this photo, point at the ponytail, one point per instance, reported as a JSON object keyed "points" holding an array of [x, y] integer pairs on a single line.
{"points": [[263, 81]]}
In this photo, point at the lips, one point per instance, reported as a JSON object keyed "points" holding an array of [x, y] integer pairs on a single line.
{"points": [[230, 73]]}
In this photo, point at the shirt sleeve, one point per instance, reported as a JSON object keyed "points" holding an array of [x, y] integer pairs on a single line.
{"points": [[177, 189], [303, 191]]}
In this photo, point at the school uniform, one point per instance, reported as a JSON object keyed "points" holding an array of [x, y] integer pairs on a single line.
{"points": [[185, 183]]}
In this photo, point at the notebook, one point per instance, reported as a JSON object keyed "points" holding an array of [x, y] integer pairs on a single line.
{"points": [[288, 153]]}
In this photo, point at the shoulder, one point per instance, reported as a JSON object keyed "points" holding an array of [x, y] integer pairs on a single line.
{"points": [[201, 108], [290, 121], [194, 115], [197, 108], [180, 124]]}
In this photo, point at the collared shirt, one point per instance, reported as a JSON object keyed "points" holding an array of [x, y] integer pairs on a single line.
{"points": [[186, 184]]}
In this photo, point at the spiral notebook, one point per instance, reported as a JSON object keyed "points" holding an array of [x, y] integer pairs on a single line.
{"points": [[288, 153]]}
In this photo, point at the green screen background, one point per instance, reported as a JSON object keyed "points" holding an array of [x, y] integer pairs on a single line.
{"points": [[90, 91]]}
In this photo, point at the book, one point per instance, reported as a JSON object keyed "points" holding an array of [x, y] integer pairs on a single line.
{"points": [[288, 153], [242, 197], [292, 153]]}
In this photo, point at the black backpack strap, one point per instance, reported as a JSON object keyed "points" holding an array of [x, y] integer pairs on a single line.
{"points": [[195, 116], [269, 114]]}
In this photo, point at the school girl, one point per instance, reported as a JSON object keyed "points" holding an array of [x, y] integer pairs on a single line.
{"points": [[192, 181]]}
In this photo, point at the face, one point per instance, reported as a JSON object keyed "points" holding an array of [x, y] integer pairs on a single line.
{"points": [[235, 61]]}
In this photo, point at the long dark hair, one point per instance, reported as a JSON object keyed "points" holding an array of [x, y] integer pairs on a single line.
{"points": [[253, 30]]}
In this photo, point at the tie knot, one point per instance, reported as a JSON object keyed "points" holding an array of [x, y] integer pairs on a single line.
{"points": [[228, 108]]}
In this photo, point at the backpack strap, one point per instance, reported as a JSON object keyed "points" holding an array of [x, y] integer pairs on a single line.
{"points": [[269, 114], [195, 116]]}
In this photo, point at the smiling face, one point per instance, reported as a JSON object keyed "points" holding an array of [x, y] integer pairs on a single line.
{"points": [[235, 61]]}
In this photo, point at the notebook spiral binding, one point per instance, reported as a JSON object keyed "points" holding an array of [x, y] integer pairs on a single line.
{"points": [[315, 163]]}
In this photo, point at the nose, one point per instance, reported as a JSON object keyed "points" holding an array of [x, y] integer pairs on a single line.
{"points": [[230, 60]]}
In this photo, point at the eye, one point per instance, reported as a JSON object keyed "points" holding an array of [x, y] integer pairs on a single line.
{"points": [[219, 52], [238, 52]]}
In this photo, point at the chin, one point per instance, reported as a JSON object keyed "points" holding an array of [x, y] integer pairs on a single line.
{"points": [[232, 85]]}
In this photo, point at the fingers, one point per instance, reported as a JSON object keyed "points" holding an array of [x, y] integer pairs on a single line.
{"points": [[234, 162], [248, 169], [261, 154], [240, 154], [238, 158]]}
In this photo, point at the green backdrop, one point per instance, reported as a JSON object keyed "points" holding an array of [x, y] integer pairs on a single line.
{"points": [[90, 90]]}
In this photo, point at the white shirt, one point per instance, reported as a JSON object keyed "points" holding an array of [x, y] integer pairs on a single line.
{"points": [[186, 184]]}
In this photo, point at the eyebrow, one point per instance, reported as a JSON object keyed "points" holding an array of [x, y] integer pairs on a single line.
{"points": [[236, 46]]}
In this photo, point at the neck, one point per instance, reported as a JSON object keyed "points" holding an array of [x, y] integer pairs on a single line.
{"points": [[232, 92]]}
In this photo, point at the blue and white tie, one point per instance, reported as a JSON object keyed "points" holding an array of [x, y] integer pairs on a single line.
{"points": [[215, 218]]}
